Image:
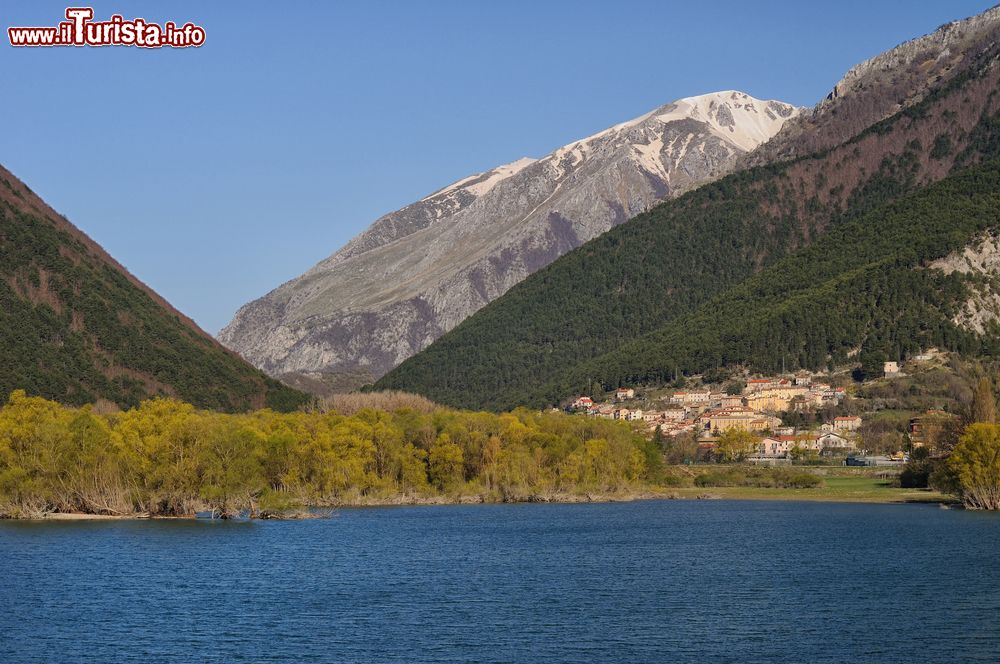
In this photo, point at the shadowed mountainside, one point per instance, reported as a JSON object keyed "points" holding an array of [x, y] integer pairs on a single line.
{"points": [[76, 326]]}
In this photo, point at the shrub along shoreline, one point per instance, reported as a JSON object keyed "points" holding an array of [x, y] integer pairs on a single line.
{"points": [[167, 458]]}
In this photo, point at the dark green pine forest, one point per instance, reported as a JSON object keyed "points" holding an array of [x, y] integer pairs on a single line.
{"points": [[798, 263]]}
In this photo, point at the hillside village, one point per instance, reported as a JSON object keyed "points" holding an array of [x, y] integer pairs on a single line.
{"points": [[761, 406]]}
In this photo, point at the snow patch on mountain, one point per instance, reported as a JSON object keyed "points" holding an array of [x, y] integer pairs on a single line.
{"points": [[735, 116], [480, 183]]}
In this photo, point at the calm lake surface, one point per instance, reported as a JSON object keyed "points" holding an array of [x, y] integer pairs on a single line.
{"points": [[646, 582]]}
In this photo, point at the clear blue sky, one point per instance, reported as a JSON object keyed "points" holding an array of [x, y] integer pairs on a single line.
{"points": [[216, 174]]}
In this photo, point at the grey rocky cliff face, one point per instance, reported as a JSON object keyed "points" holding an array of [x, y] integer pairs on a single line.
{"points": [[418, 272]]}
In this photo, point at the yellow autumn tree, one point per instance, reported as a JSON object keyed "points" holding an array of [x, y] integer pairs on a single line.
{"points": [[976, 463], [735, 444], [445, 464]]}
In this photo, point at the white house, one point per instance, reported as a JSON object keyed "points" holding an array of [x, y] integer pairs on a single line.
{"points": [[776, 447], [698, 398], [675, 414], [833, 441], [849, 423]]}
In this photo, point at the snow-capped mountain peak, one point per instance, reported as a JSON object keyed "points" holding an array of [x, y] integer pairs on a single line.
{"points": [[417, 272]]}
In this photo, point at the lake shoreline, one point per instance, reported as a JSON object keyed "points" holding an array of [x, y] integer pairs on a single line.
{"points": [[883, 495], [86, 516], [892, 496]]}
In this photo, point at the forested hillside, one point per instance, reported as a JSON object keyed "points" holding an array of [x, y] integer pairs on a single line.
{"points": [[664, 264], [862, 287], [76, 327]]}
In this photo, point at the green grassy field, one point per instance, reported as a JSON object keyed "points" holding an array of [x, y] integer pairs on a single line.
{"points": [[835, 488]]}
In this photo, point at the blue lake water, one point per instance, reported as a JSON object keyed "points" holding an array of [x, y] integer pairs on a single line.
{"points": [[650, 581]]}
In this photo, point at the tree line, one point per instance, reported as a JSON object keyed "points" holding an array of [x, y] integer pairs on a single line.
{"points": [[168, 458]]}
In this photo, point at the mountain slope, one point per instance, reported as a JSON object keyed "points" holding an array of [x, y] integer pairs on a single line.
{"points": [[76, 327], [879, 286], [664, 264], [418, 272], [885, 85]]}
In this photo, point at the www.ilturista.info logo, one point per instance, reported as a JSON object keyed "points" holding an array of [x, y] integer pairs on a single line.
{"points": [[81, 30]]}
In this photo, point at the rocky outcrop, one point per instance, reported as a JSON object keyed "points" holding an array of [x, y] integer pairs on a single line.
{"points": [[981, 261], [418, 272]]}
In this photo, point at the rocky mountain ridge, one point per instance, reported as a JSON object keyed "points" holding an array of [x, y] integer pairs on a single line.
{"points": [[418, 272], [883, 85]]}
